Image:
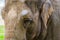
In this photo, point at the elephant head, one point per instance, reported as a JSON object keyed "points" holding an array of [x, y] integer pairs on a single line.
{"points": [[20, 22], [23, 19]]}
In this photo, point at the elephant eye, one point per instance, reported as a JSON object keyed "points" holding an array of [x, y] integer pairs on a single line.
{"points": [[27, 20]]}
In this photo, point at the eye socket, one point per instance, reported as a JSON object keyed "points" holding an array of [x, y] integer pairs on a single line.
{"points": [[27, 20]]}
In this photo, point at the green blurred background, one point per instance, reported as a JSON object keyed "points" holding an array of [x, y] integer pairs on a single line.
{"points": [[2, 32]]}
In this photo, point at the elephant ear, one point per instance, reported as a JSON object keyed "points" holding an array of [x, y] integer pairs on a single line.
{"points": [[47, 10]]}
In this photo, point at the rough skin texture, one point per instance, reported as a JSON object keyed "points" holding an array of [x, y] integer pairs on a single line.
{"points": [[33, 25]]}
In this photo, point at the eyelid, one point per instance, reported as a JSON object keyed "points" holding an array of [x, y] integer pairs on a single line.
{"points": [[28, 20]]}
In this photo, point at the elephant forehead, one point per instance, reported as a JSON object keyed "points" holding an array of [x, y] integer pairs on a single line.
{"points": [[12, 13]]}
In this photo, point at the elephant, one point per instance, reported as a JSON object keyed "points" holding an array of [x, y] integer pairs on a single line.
{"points": [[31, 20], [21, 23]]}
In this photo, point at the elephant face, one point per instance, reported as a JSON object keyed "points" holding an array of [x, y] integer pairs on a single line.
{"points": [[20, 22], [23, 19]]}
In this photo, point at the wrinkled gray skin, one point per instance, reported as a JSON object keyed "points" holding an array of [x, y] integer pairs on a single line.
{"points": [[54, 22], [53, 31]]}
